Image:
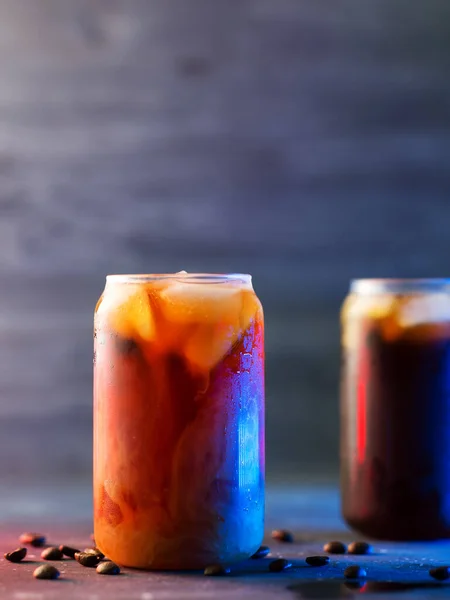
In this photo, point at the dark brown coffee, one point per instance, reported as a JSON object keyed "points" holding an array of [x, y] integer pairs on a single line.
{"points": [[395, 419]]}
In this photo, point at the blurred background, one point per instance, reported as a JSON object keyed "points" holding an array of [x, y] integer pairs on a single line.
{"points": [[303, 142]]}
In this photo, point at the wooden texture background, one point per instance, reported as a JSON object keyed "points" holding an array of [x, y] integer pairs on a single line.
{"points": [[306, 142]]}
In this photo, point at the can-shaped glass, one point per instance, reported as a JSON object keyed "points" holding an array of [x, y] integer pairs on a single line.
{"points": [[178, 420], [395, 408]]}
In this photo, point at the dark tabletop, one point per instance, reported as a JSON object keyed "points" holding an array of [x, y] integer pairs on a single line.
{"points": [[310, 511]]}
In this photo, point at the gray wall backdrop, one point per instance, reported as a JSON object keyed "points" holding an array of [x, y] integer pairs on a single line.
{"points": [[305, 142]]}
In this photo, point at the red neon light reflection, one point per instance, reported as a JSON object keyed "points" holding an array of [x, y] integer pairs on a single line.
{"points": [[361, 411]]}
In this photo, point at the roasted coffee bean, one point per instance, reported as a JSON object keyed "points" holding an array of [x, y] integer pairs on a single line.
{"points": [[335, 547], [95, 551], [355, 585], [16, 555], [33, 539], [216, 570], [108, 568], [86, 559], [280, 564], [355, 572], [317, 561], [52, 553], [68, 551], [282, 535], [360, 548], [440, 573], [262, 552], [46, 572]]}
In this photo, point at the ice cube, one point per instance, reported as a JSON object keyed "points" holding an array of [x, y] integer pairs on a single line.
{"points": [[127, 311], [185, 301], [425, 309], [209, 318], [381, 311], [208, 344]]}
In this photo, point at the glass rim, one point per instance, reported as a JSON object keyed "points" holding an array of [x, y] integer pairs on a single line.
{"points": [[180, 276], [397, 285]]}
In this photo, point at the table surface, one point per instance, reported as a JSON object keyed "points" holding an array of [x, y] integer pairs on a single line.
{"points": [[311, 512]]}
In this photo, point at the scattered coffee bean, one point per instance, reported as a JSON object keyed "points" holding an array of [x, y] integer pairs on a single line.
{"points": [[16, 555], [261, 552], [360, 548], [87, 560], [335, 547], [282, 535], [108, 568], [46, 572], [317, 561], [280, 564], [440, 573], [216, 570], [68, 551], [355, 572], [32, 539], [52, 553], [95, 551], [355, 585]]}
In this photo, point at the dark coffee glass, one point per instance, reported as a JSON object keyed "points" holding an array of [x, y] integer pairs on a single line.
{"points": [[395, 408]]}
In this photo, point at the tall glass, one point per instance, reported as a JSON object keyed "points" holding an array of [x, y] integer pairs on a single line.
{"points": [[178, 420], [395, 408]]}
